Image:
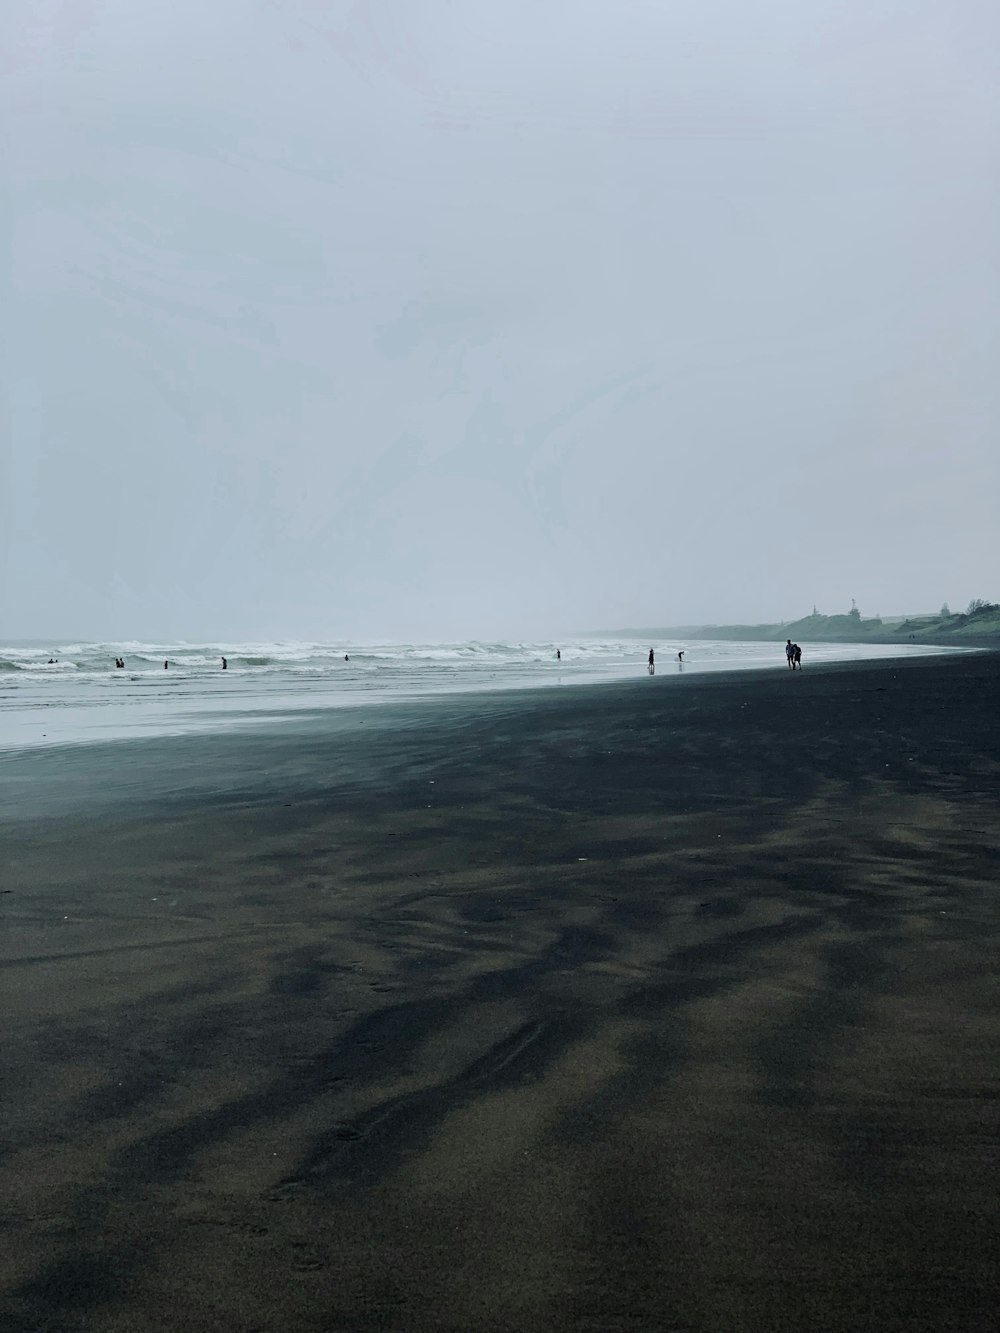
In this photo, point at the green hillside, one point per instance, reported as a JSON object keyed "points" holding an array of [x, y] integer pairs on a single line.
{"points": [[980, 623], [979, 626]]}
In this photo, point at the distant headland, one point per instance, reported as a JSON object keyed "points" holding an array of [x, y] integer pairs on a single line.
{"points": [[977, 626]]}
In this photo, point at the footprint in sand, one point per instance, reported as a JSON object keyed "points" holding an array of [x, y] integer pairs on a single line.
{"points": [[306, 1258]]}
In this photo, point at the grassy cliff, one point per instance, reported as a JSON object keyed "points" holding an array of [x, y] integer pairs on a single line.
{"points": [[979, 626]]}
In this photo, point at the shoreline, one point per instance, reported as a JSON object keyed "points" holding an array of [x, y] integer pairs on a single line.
{"points": [[79, 702], [613, 1007], [79, 775]]}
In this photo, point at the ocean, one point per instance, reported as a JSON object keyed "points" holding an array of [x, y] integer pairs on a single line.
{"points": [[80, 696]]}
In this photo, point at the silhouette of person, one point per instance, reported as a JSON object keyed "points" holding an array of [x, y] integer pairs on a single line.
{"points": [[225, 665], [165, 665], [652, 662], [798, 655], [790, 653], [558, 655], [680, 655], [346, 658]]}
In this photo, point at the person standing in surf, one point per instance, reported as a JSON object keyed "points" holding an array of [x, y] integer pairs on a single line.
{"points": [[652, 663]]}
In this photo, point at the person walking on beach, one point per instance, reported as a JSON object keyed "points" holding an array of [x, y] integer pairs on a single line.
{"points": [[798, 656], [790, 654], [225, 665], [652, 663], [558, 655]]}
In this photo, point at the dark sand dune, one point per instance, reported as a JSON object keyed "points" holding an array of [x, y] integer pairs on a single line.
{"points": [[665, 1006]]}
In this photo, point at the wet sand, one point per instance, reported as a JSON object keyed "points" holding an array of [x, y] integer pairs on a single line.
{"points": [[670, 1005]]}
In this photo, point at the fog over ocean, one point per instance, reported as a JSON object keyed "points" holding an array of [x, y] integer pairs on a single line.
{"points": [[442, 320], [81, 696]]}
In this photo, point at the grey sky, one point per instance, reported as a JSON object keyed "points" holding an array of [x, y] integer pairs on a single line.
{"points": [[462, 319]]}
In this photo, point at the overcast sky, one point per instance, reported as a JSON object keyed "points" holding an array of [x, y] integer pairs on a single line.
{"points": [[495, 318]]}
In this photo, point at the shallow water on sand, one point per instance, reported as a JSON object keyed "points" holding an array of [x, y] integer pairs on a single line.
{"points": [[80, 696]]}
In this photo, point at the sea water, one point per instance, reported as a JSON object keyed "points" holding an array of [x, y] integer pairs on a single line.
{"points": [[81, 696]]}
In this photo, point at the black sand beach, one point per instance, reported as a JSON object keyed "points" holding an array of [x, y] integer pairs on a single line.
{"points": [[670, 1005]]}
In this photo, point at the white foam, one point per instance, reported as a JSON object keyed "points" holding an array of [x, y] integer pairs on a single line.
{"points": [[82, 696]]}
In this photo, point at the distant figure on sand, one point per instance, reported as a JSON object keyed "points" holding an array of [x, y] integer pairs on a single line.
{"points": [[798, 655], [790, 653], [652, 662], [225, 665]]}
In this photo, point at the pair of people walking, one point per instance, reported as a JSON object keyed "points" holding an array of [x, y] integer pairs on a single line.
{"points": [[794, 654]]}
